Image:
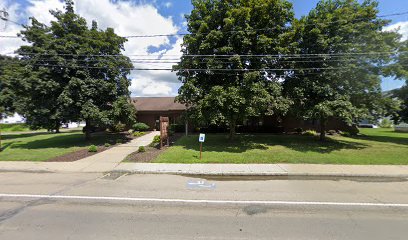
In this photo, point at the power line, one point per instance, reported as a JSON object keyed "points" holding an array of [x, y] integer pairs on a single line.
{"points": [[231, 31], [197, 69], [278, 56]]}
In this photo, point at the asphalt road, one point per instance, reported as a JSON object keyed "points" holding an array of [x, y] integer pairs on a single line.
{"points": [[92, 206]]}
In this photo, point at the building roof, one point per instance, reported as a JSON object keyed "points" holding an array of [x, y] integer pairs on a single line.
{"points": [[157, 104]]}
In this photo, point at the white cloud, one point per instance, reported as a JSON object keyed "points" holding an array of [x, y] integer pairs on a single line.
{"points": [[40, 9], [168, 4], [9, 45], [148, 87], [127, 19], [402, 29]]}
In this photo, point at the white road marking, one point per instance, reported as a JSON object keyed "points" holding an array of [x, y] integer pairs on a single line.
{"points": [[167, 200]]}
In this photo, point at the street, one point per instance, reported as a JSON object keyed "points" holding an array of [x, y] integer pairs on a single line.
{"points": [[120, 206]]}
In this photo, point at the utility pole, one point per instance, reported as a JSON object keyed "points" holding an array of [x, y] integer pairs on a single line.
{"points": [[4, 16]]}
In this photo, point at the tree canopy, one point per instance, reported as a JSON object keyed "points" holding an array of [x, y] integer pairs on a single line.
{"points": [[340, 77], [223, 87], [77, 73]]}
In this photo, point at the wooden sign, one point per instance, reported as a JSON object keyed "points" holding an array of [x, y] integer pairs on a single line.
{"points": [[164, 131]]}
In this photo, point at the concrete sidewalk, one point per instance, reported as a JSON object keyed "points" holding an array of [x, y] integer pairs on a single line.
{"points": [[268, 169], [101, 162]]}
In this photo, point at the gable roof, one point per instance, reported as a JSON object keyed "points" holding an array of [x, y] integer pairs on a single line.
{"points": [[157, 104]]}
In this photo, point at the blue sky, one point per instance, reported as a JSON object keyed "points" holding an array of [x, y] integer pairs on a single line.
{"points": [[161, 16]]}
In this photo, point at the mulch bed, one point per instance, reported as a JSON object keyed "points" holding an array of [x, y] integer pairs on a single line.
{"points": [[151, 152], [77, 155], [144, 157]]}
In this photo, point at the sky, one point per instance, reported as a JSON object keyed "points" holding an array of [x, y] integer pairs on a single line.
{"points": [[148, 17]]}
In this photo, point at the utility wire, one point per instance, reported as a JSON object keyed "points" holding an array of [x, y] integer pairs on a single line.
{"points": [[277, 56], [197, 69], [231, 31]]}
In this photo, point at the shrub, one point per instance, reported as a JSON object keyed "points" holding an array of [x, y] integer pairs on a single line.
{"points": [[119, 127], [177, 128], [156, 139], [346, 134], [141, 149], [299, 130], [310, 133], [107, 145], [138, 134], [386, 123], [93, 148], [119, 141], [141, 127]]}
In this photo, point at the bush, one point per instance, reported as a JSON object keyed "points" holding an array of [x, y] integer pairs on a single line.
{"points": [[119, 127], [352, 131], [177, 128], [311, 133], [386, 123], [156, 139], [119, 141], [346, 134], [93, 148], [107, 145], [138, 134], [141, 149], [299, 130], [141, 127]]}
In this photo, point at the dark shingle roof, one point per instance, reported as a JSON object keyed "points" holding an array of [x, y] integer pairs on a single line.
{"points": [[156, 104]]}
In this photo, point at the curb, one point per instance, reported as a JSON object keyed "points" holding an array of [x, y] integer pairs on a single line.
{"points": [[268, 174]]}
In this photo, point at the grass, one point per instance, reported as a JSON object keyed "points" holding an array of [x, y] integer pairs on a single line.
{"points": [[42, 146], [374, 146], [15, 127]]}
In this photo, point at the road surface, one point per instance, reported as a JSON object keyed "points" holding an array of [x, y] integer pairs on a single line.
{"points": [[95, 206]]}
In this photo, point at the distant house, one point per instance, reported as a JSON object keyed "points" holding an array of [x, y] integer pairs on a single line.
{"points": [[16, 118], [150, 109], [403, 127]]}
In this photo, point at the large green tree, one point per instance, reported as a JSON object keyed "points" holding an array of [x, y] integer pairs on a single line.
{"points": [[400, 69], [338, 72], [7, 95], [224, 70], [78, 72]]}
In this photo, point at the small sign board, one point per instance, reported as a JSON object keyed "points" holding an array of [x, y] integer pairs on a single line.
{"points": [[201, 139]]}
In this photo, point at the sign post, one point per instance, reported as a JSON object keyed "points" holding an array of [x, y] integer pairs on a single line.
{"points": [[201, 139], [164, 136]]}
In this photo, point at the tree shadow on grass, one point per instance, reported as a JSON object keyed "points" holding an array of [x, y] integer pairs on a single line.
{"points": [[23, 135], [69, 140], [4, 146], [243, 143]]}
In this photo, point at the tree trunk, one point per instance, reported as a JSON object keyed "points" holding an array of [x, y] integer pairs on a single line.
{"points": [[232, 126], [322, 129], [57, 126], [88, 130]]}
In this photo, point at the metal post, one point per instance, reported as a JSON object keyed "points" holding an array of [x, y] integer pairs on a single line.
{"points": [[201, 150]]}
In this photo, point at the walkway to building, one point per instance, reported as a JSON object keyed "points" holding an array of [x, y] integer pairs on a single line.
{"points": [[101, 162]]}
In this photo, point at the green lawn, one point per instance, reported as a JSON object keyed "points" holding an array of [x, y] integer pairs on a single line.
{"points": [[374, 146], [41, 146], [15, 127]]}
